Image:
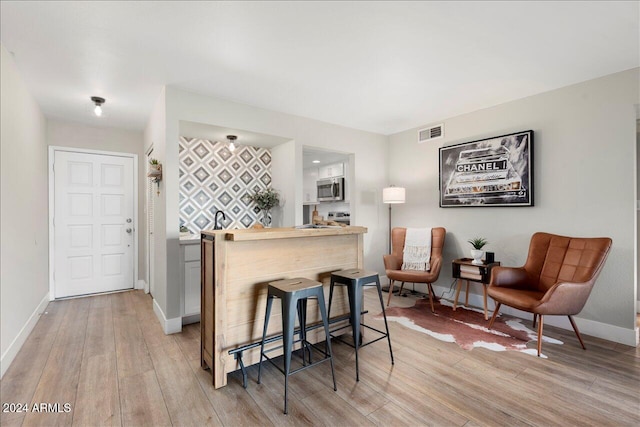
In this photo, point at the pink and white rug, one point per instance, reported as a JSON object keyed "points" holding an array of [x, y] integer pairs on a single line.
{"points": [[466, 327]]}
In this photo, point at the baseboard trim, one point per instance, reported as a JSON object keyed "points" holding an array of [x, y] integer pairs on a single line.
{"points": [[22, 336], [587, 327], [141, 284], [169, 326], [193, 318]]}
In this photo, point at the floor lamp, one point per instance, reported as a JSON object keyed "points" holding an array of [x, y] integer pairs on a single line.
{"points": [[392, 195]]}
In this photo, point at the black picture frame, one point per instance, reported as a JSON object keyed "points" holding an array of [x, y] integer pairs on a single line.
{"points": [[496, 171]]}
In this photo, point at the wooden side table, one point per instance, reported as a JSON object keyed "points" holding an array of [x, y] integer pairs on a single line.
{"points": [[464, 269]]}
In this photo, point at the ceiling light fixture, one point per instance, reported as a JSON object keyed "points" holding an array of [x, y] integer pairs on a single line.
{"points": [[315, 161], [98, 101], [232, 146]]}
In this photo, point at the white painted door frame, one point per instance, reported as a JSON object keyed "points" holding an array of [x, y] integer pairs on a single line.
{"points": [[52, 151]]}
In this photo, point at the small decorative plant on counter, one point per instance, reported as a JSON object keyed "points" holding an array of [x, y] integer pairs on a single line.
{"points": [[476, 253], [266, 200]]}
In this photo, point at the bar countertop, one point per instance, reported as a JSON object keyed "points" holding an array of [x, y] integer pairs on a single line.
{"points": [[282, 233]]}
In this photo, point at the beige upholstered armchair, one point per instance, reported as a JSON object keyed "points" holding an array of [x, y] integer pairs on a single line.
{"points": [[556, 279], [393, 262]]}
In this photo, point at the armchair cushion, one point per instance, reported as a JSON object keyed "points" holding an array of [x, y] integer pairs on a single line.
{"points": [[522, 299]]}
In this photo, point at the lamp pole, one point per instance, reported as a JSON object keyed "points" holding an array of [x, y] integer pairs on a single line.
{"points": [[392, 195]]}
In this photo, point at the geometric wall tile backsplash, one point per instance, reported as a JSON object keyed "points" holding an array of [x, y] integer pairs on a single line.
{"points": [[213, 178]]}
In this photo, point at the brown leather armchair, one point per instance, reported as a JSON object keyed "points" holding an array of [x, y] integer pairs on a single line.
{"points": [[556, 279], [393, 262]]}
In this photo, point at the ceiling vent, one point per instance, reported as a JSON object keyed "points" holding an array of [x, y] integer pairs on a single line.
{"points": [[430, 133]]}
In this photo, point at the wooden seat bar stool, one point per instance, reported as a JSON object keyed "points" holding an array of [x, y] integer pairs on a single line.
{"points": [[355, 280], [294, 294]]}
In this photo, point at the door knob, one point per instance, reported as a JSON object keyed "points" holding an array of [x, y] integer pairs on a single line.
{"points": [[129, 230], [129, 220]]}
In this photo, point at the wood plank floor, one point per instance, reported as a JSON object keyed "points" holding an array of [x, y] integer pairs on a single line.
{"points": [[107, 357]]}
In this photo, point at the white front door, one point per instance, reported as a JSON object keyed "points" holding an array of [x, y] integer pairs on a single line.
{"points": [[93, 223]]}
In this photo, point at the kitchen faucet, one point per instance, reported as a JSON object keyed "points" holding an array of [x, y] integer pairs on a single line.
{"points": [[215, 220]]}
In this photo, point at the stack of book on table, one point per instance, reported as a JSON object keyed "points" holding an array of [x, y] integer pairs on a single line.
{"points": [[470, 272]]}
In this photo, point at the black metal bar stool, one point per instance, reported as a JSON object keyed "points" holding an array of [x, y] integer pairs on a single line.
{"points": [[294, 293], [355, 280]]}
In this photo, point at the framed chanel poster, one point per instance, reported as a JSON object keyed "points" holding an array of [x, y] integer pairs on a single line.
{"points": [[496, 171]]}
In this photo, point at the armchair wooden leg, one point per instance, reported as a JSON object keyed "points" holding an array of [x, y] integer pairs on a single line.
{"points": [[401, 287], [575, 329], [430, 290], [535, 319], [391, 282], [540, 335], [495, 314]]}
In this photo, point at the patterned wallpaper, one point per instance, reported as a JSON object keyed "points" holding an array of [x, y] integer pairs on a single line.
{"points": [[213, 178]]}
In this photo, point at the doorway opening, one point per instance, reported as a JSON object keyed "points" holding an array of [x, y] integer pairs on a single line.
{"points": [[320, 167]]}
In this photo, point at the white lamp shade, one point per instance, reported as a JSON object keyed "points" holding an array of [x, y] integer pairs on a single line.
{"points": [[393, 195]]}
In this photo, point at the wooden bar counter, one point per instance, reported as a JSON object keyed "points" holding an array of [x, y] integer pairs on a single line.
{"points": [[236, 268]]}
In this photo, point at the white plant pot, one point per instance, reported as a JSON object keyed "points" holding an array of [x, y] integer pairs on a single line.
{"points": [[477, 254]]}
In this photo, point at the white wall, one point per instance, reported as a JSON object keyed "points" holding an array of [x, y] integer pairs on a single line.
{"points": [[638, 198], [284, 158], [67, 134], [154, 135], [369, 157], [24, 272], [585, 185]]}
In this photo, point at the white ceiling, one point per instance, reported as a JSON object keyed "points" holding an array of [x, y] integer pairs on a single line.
{"points": [[378, 66], [218, 133], [323, 157]]}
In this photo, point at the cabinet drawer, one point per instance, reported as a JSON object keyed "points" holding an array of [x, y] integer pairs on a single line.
{"points": [[192, 252]]}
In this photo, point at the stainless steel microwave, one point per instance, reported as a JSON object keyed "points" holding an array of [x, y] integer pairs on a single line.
{"points": [[330, 189]]}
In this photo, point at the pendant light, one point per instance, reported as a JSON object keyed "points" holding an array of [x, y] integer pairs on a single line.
{"points": [[98, 101], [232, 146]]}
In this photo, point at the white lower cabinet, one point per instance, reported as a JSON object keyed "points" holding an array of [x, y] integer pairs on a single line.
{"points": [[191, 288], [191, 283]]}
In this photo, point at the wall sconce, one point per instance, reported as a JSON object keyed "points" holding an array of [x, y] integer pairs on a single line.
{"points": [[98, 101]]}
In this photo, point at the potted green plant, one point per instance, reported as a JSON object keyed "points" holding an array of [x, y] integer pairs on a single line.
{"points": [[266, 200], [476, 253], [155, 168]]}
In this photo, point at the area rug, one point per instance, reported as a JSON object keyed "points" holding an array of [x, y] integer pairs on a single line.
{"points": [[466, 327]]}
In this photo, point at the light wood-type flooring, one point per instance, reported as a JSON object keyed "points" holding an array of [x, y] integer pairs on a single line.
{"points": [[108, 358]]}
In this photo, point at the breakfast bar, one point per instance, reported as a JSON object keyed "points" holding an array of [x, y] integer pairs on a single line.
{"points": [[236, 268]]}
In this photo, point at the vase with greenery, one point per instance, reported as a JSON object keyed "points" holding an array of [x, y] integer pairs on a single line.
{"points": [[476, 253], [154, 166], [266, 200]]}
